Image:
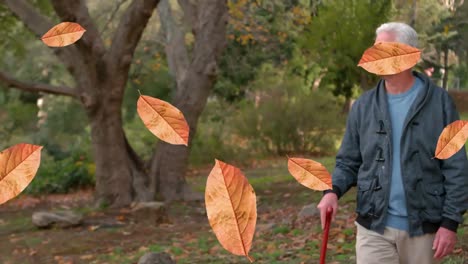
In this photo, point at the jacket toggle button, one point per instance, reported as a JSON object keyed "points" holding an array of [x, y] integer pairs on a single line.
{"points": [[373, 215], [379, 156], [381, 128]]}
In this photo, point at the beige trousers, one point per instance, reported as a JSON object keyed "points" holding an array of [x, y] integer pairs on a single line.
{"points": [[393, 247]]}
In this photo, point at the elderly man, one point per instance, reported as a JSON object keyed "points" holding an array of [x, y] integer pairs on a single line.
{"points": [[409, 205]]}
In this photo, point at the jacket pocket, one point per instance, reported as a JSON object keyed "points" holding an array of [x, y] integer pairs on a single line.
{"points": [[364, 197], [434, 196]]}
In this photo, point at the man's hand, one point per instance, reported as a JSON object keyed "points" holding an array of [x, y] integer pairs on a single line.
{"points": [[328, 200], [444, 242]]}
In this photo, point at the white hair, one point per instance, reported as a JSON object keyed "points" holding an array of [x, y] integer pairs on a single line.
{"points": [[403, 32]]}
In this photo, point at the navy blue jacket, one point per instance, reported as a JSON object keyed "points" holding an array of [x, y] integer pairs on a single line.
{"points": [[436, 190]]}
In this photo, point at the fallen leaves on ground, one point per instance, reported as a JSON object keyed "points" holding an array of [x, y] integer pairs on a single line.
{"points": [[190, 238]]}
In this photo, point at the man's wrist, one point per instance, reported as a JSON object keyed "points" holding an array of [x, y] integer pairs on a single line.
{"points": [[449, 224], [335, 190]]}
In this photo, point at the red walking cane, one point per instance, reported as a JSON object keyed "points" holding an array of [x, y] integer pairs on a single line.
{"points": [[323, 251]]}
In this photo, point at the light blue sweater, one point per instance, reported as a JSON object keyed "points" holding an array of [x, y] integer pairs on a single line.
{"points": [[398, 107]]}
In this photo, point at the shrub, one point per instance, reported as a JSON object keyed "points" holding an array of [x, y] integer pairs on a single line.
{"points": [[215, 137], [283, 118], [75, 170]]}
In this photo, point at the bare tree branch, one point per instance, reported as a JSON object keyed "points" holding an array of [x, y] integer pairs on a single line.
{"points": [[36, 22], [177, 55], [114, 12], [129, 32], [91, 43], [190, 12], [210, 40], [9, 81], [210, 35]]}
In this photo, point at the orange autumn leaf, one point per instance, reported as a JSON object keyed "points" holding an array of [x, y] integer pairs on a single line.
{"points": [[231, 208], [18, 166], [452, 139], [386, 58], [310, 173], [63, 34], [163, 120]]}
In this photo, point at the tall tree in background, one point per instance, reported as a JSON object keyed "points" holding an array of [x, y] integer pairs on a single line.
{"points": [[259, 32], [100, 73], [461, 24], [440, 27], [445, 39], [420, 14]]}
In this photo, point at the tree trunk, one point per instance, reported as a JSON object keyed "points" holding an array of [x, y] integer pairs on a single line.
{"points": [[414, 12], [113, 181], [120, 175], [364, 81], [347, 105], [168, 168], [208, 19], [446, 69], [170, 162]]}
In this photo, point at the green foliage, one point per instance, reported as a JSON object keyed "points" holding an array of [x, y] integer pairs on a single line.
{"points": [[460, 71], [282, 229], [286, 117], [461, 25], [216, 138], [66, 163], [426, 14], [150, 75], [74, 171], [17, 118], [441, 31], [61, 119], [336, 45], [258, 32]]}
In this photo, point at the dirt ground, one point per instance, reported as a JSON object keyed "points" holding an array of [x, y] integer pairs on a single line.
{"points": [[114, 236]]}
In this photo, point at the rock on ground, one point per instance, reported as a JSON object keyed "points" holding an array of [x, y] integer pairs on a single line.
{"points": [[62, 219], [150, 212], [264, 228], [309, 211], [156, 258]]}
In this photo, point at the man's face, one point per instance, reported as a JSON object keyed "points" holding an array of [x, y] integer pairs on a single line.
{"points": [[385, 37]]}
